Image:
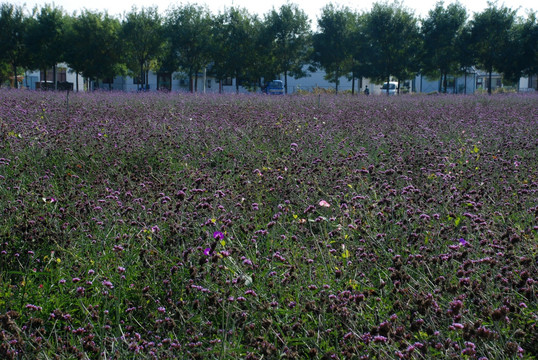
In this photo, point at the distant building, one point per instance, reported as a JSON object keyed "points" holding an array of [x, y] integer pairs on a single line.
{"points": [[314, 81], [65, 79]]}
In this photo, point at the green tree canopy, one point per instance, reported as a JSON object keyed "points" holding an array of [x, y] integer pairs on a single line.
{"points": [[394, 42], [94, 42], [234, 38], [12, 31], [45, 38], [521, 52], [288, 36], [440, 31], [143, 38], [188, 31], [490, 38], [331, 42]]}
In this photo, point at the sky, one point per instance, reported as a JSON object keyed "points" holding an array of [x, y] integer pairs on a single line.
{"points": [[260, 7]]}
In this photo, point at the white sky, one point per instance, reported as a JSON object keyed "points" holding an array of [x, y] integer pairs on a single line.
{"points": [[311, 7]]}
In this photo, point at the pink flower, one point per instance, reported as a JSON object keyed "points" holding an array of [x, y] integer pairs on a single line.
{"points": [[324, 203]]}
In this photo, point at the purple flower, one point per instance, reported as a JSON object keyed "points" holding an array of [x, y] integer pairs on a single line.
{"points": [[462, 241], [218, 235], [207, 251]]}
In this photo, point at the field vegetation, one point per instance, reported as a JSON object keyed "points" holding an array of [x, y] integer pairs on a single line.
{"points": [[257, 227]]}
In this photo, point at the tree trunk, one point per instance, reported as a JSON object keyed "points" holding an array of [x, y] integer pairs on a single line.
{"points": [[489, 81], [398, 89], [76, 79], [236, 82], [465, 82], [196, 82], [141, 80], [444, 83], [353, 83], [45, 83], [54, 77], [15, 81], [336, 73], [147, 80], [388, 83], [286, 82]]}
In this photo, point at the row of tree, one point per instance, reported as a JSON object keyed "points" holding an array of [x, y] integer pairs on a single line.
{"points": [[388, 41]]}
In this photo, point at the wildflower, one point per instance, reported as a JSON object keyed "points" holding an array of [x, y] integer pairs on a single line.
{"points": [[462, 241], [292, 304], [34, 307], [251, 292], [218, 235], [379, 338], [324, 203], [207, 251]]}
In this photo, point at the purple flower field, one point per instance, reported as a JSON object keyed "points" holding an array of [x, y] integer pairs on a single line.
{"points": [[255, 227]]}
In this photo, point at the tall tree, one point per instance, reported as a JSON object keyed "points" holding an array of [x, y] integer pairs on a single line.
{"points": [[188, 30], [94, 41], [288, 40], [464, 53], [234, 38], [490, 38], [143, 39], [330, 43], [12, 31], [521, 56], [358, 46], [394, 42], [440, 31], [45, 39]]}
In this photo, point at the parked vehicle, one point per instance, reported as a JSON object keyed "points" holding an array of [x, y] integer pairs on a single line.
{"points": [[275, 87], [391, 86]]}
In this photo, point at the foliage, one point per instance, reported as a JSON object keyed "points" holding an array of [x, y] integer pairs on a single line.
{"points": [[490, 38], [5, 73], [384, 43], [394, 42], [521, 53], [247, 227], [142, 39], [94, 43], [331, 44], [441, 31], [12, 30], [287, 32], [188, 29], [234, 37], [44, 38]]}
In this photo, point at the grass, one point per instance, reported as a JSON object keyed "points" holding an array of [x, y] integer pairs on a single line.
{"points": [[185, 226]]}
